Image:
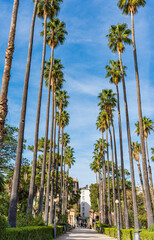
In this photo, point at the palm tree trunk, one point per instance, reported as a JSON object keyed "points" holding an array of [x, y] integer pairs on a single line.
{"points": [[96, 178], [50, 161], [32, 181], [105, 207], [7, 69], [141, 180], [136, 220], [53, 170], [16, 177], [122, 165], [41, 193], [108, 179], [150, 173], [117, 174], [100, 198], [150, 217], [63, 195], [67, 189], [61, 176], [113, 181], [57, 162]]}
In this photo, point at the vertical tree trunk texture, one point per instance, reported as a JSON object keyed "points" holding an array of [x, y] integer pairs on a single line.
{"points": [[141, 180], [108, 179], [113, 180], [63, 194], [136, 220], [7, 69], [61, 176], [117, 176], [32, 181], [67, 189], [57, 161], [100, 197], [16, 176], [96, 178], [51, 219], [150, 172], [122, 164], [102, 205], [46, 214], [41, 193], [144, 164], [105, 207]]}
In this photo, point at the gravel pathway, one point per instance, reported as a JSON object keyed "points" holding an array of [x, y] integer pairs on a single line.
{"points": [[83, 234]]}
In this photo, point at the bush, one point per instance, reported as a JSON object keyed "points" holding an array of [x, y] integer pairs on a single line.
{"points": [[151, 228], [126, 234], [24, 220], [145, 235], [59, 230], [103, 226], [3, 225]]}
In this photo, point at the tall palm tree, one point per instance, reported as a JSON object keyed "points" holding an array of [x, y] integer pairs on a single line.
{"points": [[70, 160], [63, 123], [108, 102], [62, 102], [7, 69], [66, 141], [136, 150], [118, 38], [101, 126], [45, 9], [147, 128], [16, 176], [114, 73], [131, 7], [55, 36]]}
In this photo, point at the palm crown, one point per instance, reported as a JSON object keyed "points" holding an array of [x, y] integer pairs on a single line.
{"points": [[69, 156], [128, 6], [136, 150], [49, 8], [107, 100], [114, 71], [55, 32], [62, 99], [118, 37], [147, 126]]}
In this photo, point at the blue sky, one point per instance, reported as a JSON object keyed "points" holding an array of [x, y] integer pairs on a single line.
{"points": [[84, 55]]}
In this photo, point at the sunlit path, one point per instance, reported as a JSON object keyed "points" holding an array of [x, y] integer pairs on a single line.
{"points": [[81, 233]]}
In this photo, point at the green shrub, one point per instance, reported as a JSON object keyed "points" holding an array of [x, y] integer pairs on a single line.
{"points": [[107, 231], [104, 226], [3, 225], [29, 233], [151, 228], [59, 230], [145, 235], [126, 234], [24, 220]]}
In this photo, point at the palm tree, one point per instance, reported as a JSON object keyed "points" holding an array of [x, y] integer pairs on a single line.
{"points": [[62, 102], [101, 126], [7, 69], [45, 9], [96, 167], [131, 7], [55, 36], [16, 177], [70, 160], [136, 150], [147, 128], [114, 73], [108, 102], [63, 123], [66, 141]]}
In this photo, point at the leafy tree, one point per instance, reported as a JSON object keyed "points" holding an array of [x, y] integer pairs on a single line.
{"points": [[94, 196]]}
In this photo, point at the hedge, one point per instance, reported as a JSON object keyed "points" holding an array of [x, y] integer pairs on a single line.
{"points": [[128, 234], [29, 233]]}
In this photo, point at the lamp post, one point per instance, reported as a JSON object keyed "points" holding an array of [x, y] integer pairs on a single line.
{"points": [[55, 204], [118, 220]]}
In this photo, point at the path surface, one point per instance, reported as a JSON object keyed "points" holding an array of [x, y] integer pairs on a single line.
{"points": [[83, 234]]}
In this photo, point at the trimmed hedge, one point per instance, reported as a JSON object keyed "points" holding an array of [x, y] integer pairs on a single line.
{"points": [[31, 233], [128, 234]]}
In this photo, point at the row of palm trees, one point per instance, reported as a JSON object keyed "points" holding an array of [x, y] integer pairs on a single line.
{"points": [[54, 34], [118, 38]]}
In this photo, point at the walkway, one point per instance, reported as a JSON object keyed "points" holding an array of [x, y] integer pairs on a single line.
{"points": [[83, 234]]}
